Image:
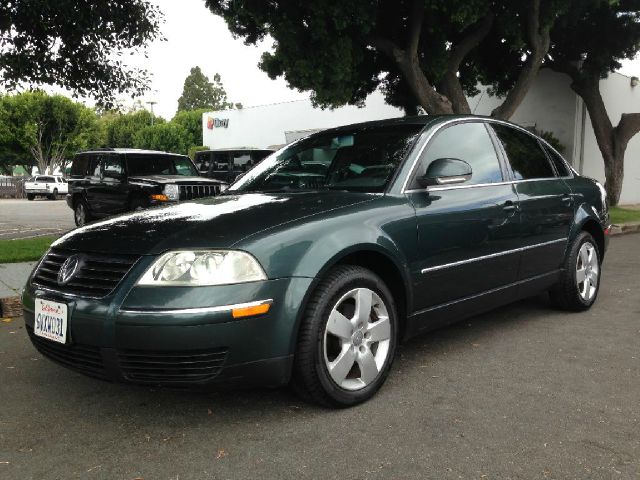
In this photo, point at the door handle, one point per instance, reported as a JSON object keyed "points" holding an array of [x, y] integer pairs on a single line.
{"points": [[567, 199], [510, 206]]}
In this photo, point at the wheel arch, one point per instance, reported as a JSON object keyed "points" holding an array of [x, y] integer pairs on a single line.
{"points": [[381, 262], [586, 220]]}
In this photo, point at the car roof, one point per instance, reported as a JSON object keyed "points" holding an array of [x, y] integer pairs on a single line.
{"points": [[240, 149]]}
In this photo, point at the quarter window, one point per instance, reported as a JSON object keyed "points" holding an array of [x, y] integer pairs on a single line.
{"points": [[558, 162], [469, 142], [526, 157]]}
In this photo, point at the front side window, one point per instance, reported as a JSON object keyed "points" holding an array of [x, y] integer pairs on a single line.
{"points": [[526, 157], [469, 142], [147, 164], [363, 159]]}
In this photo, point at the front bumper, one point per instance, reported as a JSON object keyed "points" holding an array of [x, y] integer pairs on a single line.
{"points": [[177, 336]]}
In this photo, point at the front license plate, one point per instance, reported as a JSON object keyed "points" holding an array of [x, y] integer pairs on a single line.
{"points": [[51, 320]]}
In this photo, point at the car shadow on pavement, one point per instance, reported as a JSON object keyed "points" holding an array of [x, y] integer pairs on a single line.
{"points": [[108, 400]]}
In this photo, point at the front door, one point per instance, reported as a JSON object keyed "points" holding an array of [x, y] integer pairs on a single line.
{"points": [[467, 233]]}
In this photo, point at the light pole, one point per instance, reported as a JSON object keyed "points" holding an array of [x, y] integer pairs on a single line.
{"points": [[151, 103]]}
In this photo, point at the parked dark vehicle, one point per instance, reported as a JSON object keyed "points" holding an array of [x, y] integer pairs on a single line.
{"points": [[317, 262], [110, 181], [228, 164]]}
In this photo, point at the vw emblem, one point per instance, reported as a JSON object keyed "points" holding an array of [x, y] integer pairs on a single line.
{"points": [[68, 269]]}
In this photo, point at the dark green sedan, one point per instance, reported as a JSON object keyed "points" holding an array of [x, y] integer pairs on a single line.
{"points": [[315, 264]]}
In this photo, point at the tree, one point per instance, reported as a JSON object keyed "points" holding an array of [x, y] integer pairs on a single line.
{"points": [[167, 137], [191, 121], [200, 93], [419, 51], [588, 44], [76, 45], [121, 129], [45, 129]]}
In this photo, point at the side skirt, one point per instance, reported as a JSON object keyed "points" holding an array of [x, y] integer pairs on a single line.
{"points": [[445, 314]]}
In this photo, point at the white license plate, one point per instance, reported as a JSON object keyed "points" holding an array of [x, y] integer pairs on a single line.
{"points": [[51, 320]]}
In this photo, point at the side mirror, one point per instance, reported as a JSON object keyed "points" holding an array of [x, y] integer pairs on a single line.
{"points": [[446, 171]]}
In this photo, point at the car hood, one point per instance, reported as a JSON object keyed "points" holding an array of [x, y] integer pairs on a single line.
{"points": [[177, 179], [216, 222]]}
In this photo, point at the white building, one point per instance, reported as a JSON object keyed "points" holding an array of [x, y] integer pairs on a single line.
{"points": [[550, 105]]}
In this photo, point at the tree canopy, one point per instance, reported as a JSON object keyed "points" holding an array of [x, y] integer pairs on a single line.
{"points": [[77, 45], [200, 93], [421, 52], [44, 129]]}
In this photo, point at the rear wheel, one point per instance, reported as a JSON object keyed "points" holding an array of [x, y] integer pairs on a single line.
{"points": [[30, 196], [347, 338], [81, 213], [578, 287], [54, 195]]}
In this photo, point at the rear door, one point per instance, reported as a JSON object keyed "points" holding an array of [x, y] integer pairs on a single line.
{"points": [[113, 188], [546, 204], [467, 233]]}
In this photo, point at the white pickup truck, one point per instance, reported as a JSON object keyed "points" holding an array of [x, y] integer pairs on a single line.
{"points": [[49, 186]]}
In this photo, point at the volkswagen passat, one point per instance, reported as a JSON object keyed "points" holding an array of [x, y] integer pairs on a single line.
{"points": [[318, 261]]}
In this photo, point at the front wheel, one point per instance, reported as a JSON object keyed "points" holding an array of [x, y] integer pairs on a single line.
{"points": [[347, 338], [578, 287]]}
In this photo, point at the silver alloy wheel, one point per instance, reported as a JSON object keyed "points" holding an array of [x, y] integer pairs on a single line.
{"points": [[80, 215], [357, 339], [587, 271]]}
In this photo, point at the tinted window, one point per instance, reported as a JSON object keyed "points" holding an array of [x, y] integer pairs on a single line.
{"points": [[558, 162], [203, 161], [94, 166], [79, 166], [112, 166], [469, 142], [46, 179], [526, 157], [362, 159], [160, 165]]}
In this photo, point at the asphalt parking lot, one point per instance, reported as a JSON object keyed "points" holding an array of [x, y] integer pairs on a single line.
{"points": [[21, 218], [522, 392]]}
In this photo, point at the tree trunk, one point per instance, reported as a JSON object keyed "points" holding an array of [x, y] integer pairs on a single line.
{"points": [[612, 141]]}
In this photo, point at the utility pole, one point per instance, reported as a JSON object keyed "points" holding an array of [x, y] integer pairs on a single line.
{"points": [[151, 103]]}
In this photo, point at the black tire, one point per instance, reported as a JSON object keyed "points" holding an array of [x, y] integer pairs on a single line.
{"points": [[311, 378], [137, 204], [30, 196], [566, 294], [54, 195], [81, 213]]}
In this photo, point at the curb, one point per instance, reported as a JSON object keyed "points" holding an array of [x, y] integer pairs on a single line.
{"points": [[624, 228]]}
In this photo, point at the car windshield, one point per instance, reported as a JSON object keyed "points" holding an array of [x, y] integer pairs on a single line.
{"points": [[363, 160], [160, 165]]}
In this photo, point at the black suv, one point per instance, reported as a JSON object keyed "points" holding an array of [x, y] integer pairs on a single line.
{"points": [[228, 164], [109, 181]]}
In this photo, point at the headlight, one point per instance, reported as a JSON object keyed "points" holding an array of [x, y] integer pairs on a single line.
{"points": [[172, 192], [203, 267]]}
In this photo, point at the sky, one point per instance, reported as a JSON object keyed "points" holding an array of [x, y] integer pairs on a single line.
{"points": [[196, 37]]}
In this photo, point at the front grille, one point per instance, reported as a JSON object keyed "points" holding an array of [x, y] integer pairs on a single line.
{"points": [[171, 367], [83, 358], [189, 192], [97, 275]]}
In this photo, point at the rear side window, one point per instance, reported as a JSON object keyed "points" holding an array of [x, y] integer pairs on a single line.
{"points": [[526, 157], [79, 166], [558, 162], [112, 166], [469, 142]]}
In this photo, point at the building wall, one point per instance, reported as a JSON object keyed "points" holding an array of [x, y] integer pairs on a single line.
{"points": [[619, 97], [264, 126]]}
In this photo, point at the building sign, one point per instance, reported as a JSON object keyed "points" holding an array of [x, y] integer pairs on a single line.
{"points": [[217, 123]]}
